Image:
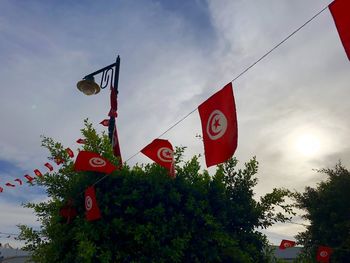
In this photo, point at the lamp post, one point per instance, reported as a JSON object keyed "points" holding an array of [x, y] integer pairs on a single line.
{"points": [[110, 75]]}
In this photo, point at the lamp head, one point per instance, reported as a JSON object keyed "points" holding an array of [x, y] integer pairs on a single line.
{"points": [[88, 86]]}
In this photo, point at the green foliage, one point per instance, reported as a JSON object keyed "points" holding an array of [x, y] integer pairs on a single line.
{"points": [[149, 217], [328, 209]]}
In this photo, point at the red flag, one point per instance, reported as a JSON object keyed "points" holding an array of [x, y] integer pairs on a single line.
{"points": [[105, 122], [219, 126], [19, 181], [70, 152], [114, 104], [49, 166], [91, 206], [323, 254], [90, 161], [10, 185], [68, 211], [1, 189], [58, 160], [29, 178], [116, 148], [286, 244], [38, 173], [340, 10], [81, 141], [160, 151], [172, 172]]}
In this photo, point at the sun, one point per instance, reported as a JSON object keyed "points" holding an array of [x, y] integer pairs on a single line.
{"points": [[308, 144]]}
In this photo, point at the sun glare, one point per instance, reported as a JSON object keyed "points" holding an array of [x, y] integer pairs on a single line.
{"points": [[308, 145]]}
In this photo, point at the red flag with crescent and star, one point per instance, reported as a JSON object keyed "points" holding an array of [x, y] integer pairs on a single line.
{"points": [[38, 173], [19, 181], [90, 161], [70, 152], [161, 151], [81, 141], [29, 178], [49, 166], [114, 104], [286, 244], [219, 126], [10, 185], [68, 211], [105, 122], [58, 160], [340, 10], [91, 206], [323, 254]]}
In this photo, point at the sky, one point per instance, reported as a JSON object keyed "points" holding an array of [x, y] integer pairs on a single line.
{"points": [[292, 107]]}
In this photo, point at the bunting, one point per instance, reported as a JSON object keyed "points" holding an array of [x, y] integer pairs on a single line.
{"points": [[49, 166], [219, 126], [70, 152], [105, 122], [58, 160], [29, 178], [340, 10], [81, 141], [91, 206], [19, 181], [38, 173], [90, 161], [286, 244], [161, 151], [323, 254]]}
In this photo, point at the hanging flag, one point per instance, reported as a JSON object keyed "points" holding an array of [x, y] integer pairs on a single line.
{"points": [[90, 161], [114, 104], [29, 178], [286, 244], [49, 166], [160, 151], [58, 160], [323, 254], [19, 181], [38, 173], [10, 185], [1, 189], [70, 152], [116, 148], [105, 122], [91, 206], [172, 172], [68, 211], [340, 10], [81, 141], [219, 126]]}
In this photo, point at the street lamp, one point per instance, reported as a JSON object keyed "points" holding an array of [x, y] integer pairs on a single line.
{"points": [[88, 86]]}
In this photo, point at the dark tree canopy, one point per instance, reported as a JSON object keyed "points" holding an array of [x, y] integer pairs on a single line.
{"points": [[149, 217], [328, 209]]}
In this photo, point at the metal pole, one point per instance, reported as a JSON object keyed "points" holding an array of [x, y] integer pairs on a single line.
{"points": [[115, 87]]}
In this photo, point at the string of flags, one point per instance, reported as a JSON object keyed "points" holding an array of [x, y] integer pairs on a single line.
{"points": [[19, 182]]}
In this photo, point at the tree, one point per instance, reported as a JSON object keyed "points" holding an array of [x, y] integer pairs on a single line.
{"points": [[327, 208], [149, 217]]}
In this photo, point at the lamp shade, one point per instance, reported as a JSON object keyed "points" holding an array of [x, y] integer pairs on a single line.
{"points": [[88, 86]]}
